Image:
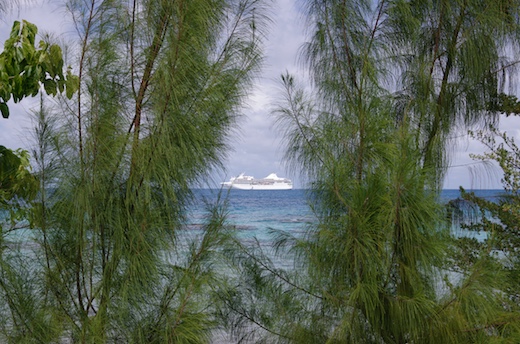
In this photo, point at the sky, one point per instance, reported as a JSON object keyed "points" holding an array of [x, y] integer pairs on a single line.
{"points": [[256, 144]]}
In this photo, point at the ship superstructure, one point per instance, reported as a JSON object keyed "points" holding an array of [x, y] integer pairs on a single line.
{"points": [[271, 182]]}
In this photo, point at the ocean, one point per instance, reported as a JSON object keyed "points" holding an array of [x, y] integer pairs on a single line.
{"points": [[253, 213]]}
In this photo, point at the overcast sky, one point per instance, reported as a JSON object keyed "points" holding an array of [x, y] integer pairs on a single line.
{"points": [[256, 145]]}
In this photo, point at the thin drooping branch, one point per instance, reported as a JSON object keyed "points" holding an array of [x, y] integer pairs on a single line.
{"points": [[438, 112], [84, 49]]}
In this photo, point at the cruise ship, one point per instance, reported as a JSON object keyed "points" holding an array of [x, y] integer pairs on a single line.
{"points": [[271, 182]]}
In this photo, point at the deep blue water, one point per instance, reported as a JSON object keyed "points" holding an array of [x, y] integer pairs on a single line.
{"points": [[254, 212]]}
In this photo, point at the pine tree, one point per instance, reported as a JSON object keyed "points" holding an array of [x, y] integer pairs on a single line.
{"points": [[392, 80], [160, 85]]}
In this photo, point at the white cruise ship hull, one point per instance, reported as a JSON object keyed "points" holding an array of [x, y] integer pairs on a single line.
{"points": [[275, 186]]}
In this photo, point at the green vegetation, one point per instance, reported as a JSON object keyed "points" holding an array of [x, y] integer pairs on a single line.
{"points": [[158, 90], [393, 81], [498, 218], [16, 179], [24, 68], [159, 87], [17, 186]]}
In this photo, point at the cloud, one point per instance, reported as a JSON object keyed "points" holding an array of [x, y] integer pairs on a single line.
{"points": [[256, 144]]}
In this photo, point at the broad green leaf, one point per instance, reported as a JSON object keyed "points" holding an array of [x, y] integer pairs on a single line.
{"points": [[72, 84], [30, 31], [56, 60], [28, 51], [15, 31], [5, 110], [61, 85], [50, 86]]}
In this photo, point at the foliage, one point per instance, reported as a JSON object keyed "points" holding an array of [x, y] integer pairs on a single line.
{"points": [[499, 218], [505, 103], [160, 85], [18, 186], [16, 179], [25, 68], [392, 80], [453, 65]]}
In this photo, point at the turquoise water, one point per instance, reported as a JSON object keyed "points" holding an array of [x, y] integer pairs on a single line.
{"points": [[253, 213]]}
